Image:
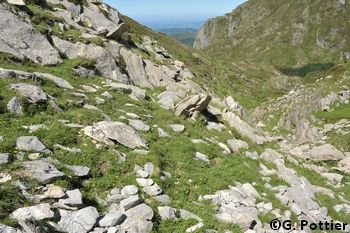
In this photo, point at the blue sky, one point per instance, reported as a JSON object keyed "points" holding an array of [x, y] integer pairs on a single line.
{"points": [[176, 11]]}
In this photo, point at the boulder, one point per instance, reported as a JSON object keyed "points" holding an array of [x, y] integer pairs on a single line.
{"points": [[80, 171], [42, 171], [21, 37], [5, 158], [54, 192], [153, 190], [166, 212], [81, 221], [235, 145], [202, 157], [136, 93], [129, 190], [135, 66], [139, 125], [31, 144], [162, 133], [242, 127], [74, 198], [38, 212], [168, 99], [129, 203], [113, 218], [60, 82], [344, 165], [117, 32], [14, 106], [325, 152], [191, 104], [138, 219], [33, 93], [108, 132], [215, 126], [177, 128], [18, 74]]}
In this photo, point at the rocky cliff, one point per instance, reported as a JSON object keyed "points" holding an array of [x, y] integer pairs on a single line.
{"points": [[106, 126]]}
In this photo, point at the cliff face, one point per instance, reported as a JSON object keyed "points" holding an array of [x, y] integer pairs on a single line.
{"points": [[280, 32]]}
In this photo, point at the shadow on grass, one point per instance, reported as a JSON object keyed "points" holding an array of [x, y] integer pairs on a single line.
{"points": [[305, 70]]}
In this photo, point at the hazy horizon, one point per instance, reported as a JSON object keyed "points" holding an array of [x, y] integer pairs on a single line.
{"points": [[159, 14]]}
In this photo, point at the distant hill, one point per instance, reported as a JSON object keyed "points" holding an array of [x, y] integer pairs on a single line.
{"points": [[184, 35]]}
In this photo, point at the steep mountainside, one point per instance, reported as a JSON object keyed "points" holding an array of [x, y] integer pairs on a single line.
{"points": [[281, 33], [107, 126]]}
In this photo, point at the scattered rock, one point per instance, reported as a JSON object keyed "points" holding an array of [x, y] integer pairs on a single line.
{"points": [[54, 192], [242, 127], [191, 104], [16, 2], [202, 157], [129, 203], [235, 145], [108, 132], [80, 221], [14, 106], [177, 128], [31, 144], [139, 125], [33, 93], [113, 218], [74, 198], [42, 171], [80, 171], [166, 212], [5, 158], [325, 152], [215, 126], [38, 212], [162, 133], [129, 190]]}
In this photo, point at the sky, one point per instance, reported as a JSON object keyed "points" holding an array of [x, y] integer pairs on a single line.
{"points": [[172, 13]]}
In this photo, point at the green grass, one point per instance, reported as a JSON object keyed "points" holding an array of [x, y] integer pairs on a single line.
{"points": [[340, 112]]}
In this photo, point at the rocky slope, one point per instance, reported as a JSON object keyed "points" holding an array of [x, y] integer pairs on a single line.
{"points": [[106, 126]]}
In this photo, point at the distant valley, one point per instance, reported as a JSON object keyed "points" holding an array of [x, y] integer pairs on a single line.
{"points": [[184, 35]]}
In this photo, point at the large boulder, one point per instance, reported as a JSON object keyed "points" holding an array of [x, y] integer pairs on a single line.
{"points": [[325, 152], [136, 68], [110, 132], [191, 104], [81, 221], [33, 93], [22, 38], [42, 171]]}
